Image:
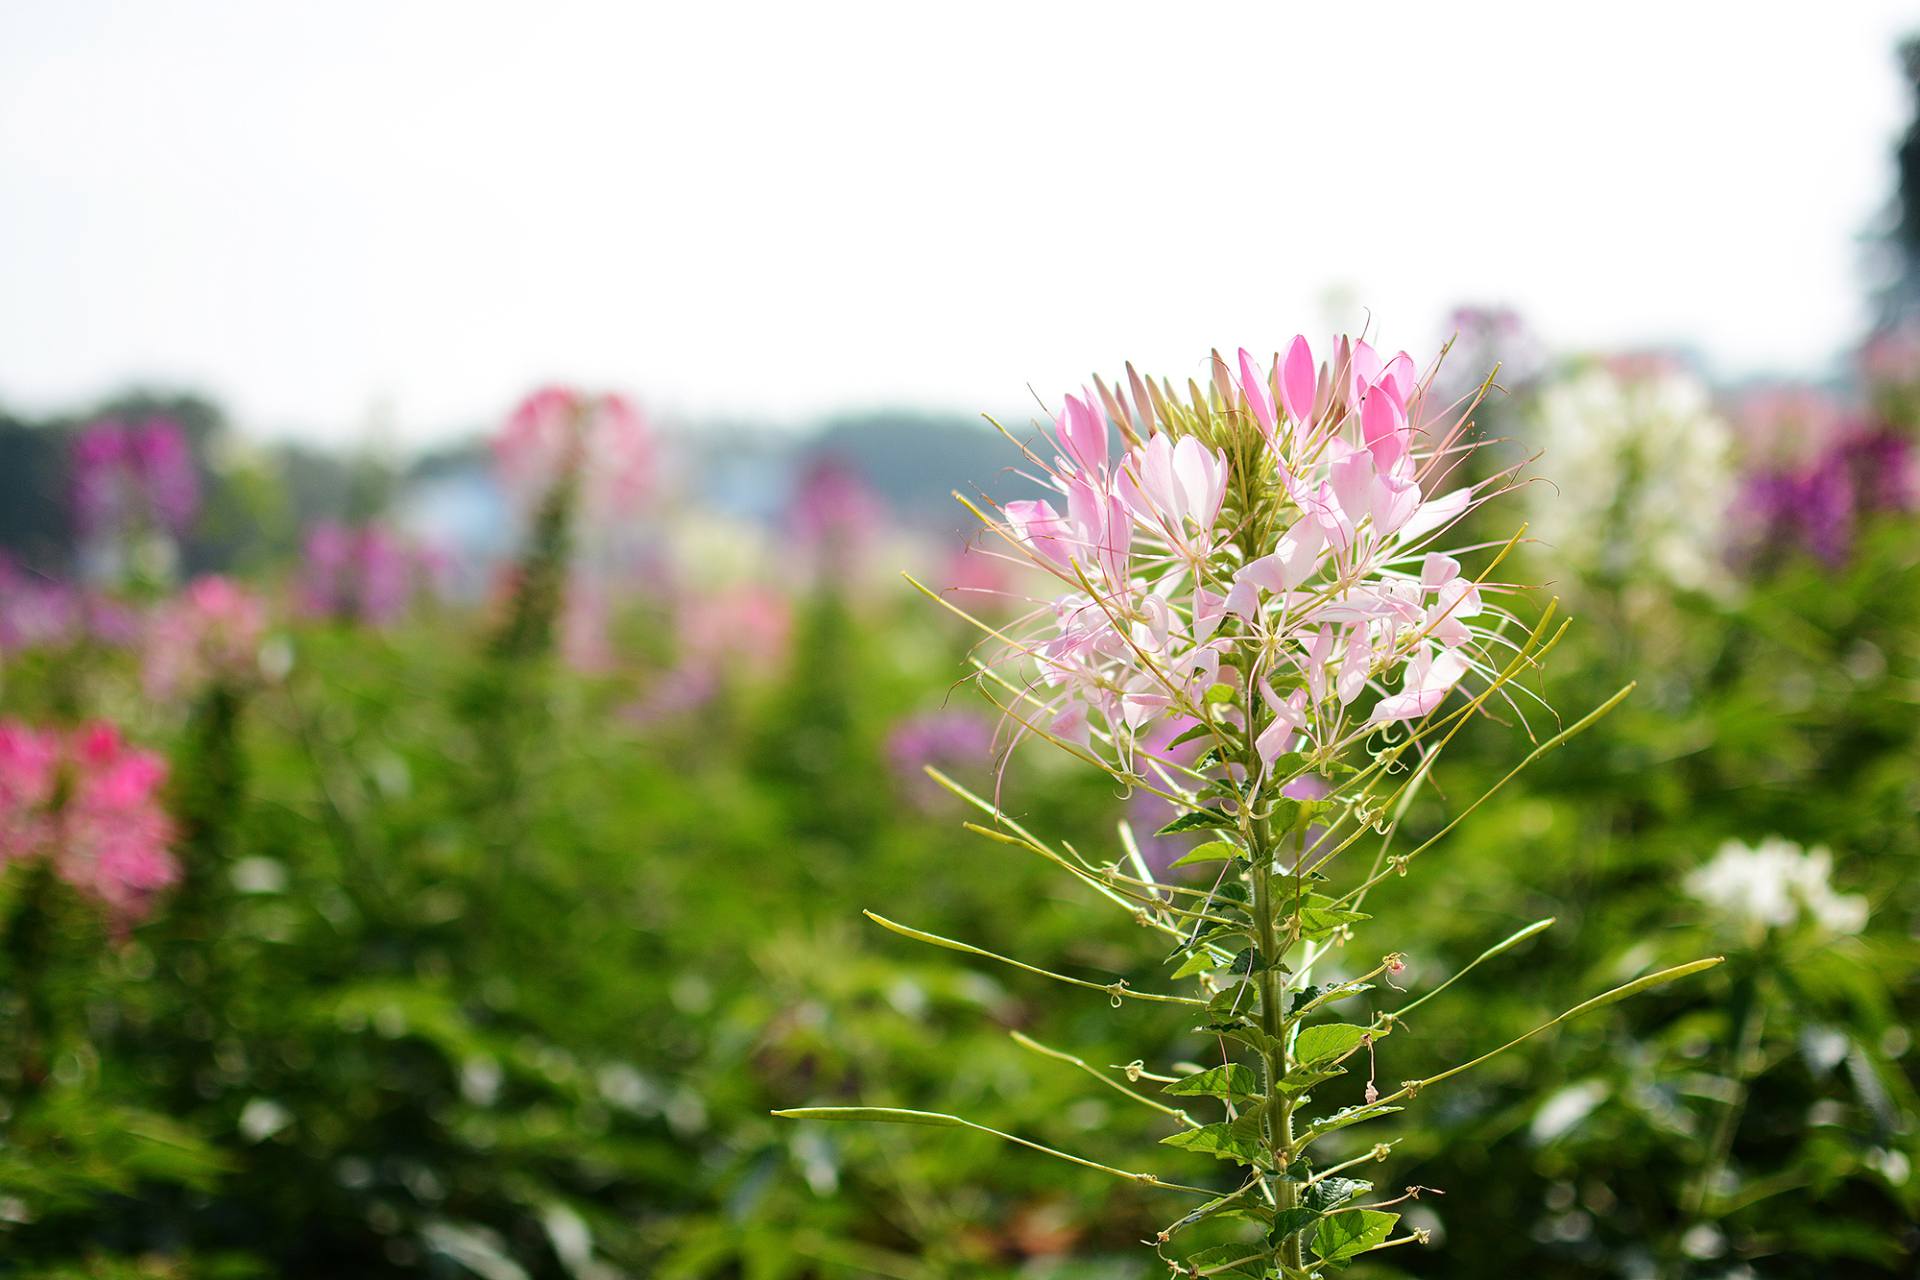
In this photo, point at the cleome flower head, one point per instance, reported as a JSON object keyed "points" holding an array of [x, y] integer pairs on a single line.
{"points": [[209, 634], [1276, 530], [90, 803]]}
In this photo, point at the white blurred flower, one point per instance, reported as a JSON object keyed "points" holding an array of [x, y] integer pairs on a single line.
{"points": [[1772, 885], [1642, 476]]}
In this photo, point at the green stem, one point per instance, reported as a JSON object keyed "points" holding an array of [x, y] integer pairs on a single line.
{"points": [[1720, 1147]]}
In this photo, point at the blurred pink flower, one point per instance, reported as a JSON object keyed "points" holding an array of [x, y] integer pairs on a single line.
{"points": [[90, 803], [741, 628], [953, 741], [835, 516], [368, 574], [586, 644], [209, 633], [558, 432], [1891, 357], [37, 612], [129, 476]]}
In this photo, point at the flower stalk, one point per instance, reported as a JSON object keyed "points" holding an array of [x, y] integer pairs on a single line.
{"points": [[1251, 620]]}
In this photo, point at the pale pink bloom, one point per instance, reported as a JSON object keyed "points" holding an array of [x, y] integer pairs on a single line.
{"points": [[209, 633], [1350, 597], [1426, 680], [835, 516], [1175, 491], [1289, 720], [743, 628]]}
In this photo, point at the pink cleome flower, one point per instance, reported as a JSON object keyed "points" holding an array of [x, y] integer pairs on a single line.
{"points": [[559, 431], [209, 633], [1161, 597], [90, 804]]}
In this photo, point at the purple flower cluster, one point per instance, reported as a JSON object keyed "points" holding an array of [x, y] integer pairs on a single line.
{"points": [[1817, 505], [943, 739], [134, 475], [37, 612], [366, 574]]}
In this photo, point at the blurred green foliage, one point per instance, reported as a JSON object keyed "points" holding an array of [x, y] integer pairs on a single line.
{"points": [[474, 972]]}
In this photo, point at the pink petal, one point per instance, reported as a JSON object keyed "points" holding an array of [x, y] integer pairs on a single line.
{"points": [[1297, 381], [1254, 387]]}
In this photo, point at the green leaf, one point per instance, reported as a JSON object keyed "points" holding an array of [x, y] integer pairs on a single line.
{"points": [[1218, 1141], [1306, 1077], [1307, 995], [1285, 815], [1325, 1040], [1212, 851], [1202, 960], [1235, 1261], [1233, 1081], [1198, 820], [1348, 1235], [1352, 1115], [1194, 734], [1330, 1193], [1220, 693], [1319, 923], [1256, 1039], [1288, 1221]]}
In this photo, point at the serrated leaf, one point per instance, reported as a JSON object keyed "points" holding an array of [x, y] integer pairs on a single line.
{"points": [[1306, 1077], [1319, 923], [1198, 820], [1348, 1235], [1288, 1221], [1285, 815], [1352, 1115], [1331, 1193], [1218, 1141], [1325, 1040], [1237, 1261], [1202, 960], [1211, 851], [1247, 1125], [1234, 1081]]}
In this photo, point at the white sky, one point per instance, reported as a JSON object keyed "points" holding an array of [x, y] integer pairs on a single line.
{"points": [[324, 213]]}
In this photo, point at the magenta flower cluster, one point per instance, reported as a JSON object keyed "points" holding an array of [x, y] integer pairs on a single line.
{"points": [[86, 802], [132, 475]]}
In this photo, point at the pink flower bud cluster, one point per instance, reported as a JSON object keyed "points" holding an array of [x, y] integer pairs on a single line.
{"points": [[88, 803], [1343, 614], [210, 633], [558, 433]]}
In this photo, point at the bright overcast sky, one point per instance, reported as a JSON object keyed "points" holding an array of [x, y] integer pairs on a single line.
{"points": [[321, 213]]}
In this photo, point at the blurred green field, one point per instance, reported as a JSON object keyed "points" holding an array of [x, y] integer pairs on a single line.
{"points": [[476, 970]]}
